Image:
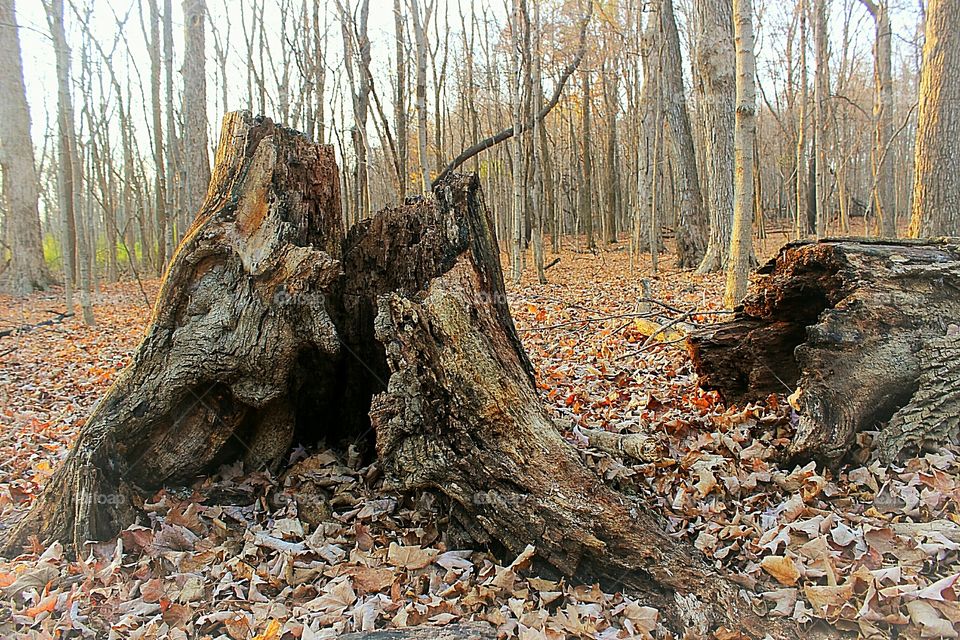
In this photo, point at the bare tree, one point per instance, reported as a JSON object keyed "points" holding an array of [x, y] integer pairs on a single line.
{"points": [[884, 206], [741, 250], [195, 154], [691, 222], [821, 92], [715, 85], [421, 18], [27, 270], [70, 174]]}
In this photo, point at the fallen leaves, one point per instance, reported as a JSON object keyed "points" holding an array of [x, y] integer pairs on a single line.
{"points": [[326, 550]]}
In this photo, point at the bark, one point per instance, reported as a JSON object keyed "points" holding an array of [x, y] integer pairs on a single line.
{"points": [[215, 370], [860, 333], [691, 220], [741, 246], [716, 86], [936, 188], [270, 321], [27, 271], [196, 160]]}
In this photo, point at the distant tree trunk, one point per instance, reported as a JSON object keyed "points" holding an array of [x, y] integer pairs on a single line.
{"points": [[27, 271], [715, 68], [936, 186], [884, 205], [586, 161], [175, 181], [741, 248], [400, 98], [518, 157], [159, 176], [802, 226], [821, 126], [691, 220], [420, 22], [356, 45], [611, 189], [196, 159], [540, 175]]}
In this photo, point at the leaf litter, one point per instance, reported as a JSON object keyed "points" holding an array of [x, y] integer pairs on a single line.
{"points": [[325, 549]]}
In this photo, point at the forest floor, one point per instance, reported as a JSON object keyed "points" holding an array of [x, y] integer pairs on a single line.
{"points": [[323, 550]]}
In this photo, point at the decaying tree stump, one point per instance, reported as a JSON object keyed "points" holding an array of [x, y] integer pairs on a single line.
{"points": [[213, 378], [863, 333], [272, 325]]}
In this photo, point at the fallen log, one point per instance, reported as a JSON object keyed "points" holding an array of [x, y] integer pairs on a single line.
{"points": [[273, 325], [860, 333]]}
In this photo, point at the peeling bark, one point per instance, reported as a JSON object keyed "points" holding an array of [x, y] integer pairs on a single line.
{"points": [[861, 333]]}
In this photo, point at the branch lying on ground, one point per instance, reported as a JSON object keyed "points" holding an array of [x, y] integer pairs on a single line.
{"points": [[60, 317]]}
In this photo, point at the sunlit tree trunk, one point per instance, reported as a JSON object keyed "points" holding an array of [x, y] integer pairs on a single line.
{"points": [[936, 186], [743, 190]]}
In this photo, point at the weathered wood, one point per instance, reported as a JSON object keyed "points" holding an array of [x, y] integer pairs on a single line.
{"points": [[460, 415], [271, 323], [861, 332], [213, 378]]}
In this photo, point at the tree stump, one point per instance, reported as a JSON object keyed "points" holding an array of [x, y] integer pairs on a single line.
{"points": [[861, 332], [272, 324]]}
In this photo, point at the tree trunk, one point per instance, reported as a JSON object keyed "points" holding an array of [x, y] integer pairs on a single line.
{"points": [[196, 160], [884, 206], [70, 174], [586, 161], [744, 200], [270, 321], [821, 94], [691, 220], [859, 332], [27, 271], [716, 83], [936, 188]]}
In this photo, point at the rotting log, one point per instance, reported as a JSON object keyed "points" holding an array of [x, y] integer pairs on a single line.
{"points": [[272, 324], [861, 333]]}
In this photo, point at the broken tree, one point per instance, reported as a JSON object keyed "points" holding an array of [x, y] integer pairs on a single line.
{"points": [[862, 333], [273, 325]]}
